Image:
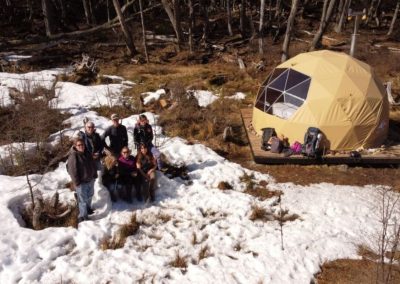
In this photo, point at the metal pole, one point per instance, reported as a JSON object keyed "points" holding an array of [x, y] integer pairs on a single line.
{"points": [[354, 36]]}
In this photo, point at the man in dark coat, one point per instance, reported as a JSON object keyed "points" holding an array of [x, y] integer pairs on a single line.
{"points": [[93, 143], [82, 170], [117, 134]]}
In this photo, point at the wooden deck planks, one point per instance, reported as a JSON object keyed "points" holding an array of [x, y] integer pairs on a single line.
{"points": [[265, 157]]}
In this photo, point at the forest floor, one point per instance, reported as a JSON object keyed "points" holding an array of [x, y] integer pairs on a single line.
{"points": [[172, 69]]}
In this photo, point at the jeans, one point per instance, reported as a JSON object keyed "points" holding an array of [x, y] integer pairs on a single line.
{"points": [[85, 193]]}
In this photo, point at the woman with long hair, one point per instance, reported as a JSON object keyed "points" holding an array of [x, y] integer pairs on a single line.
{"points": [[146, 165], [110, 176]]}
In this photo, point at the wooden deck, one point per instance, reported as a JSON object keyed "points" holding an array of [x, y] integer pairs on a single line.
{"points": [[265, 157]]}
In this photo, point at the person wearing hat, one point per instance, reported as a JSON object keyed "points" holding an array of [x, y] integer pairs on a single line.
{"points": [[117, 135]]}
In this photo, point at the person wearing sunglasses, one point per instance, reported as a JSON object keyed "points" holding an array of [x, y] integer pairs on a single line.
{"points": [[93, 143], [128, 173], [82, 170]]}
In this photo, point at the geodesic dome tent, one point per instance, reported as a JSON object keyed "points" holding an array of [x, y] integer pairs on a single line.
{"points": [[333, 91]]}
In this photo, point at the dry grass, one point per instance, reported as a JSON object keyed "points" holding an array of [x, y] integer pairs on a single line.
{"points": [[164, 217], [263, 193], [259, 213], [179, 261], [284, 216], [120, 237], [224, 185], [351, 271], [367, 253], [204, 253]]}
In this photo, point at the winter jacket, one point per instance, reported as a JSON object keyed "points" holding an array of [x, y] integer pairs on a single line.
{"points": [[146, 163], [127, 167], [93, 143], [81, 167], [118, 138], [143, 134], [110, 176]]}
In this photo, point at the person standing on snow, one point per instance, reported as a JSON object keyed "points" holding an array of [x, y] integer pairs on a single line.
{"points": [[143, 134], [82, 170], [117, 134]]}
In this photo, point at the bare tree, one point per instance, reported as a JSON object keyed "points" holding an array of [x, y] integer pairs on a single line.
{"points": [[289, 27], [86, 8], [277, 8], [260, 28], [396, 12], [342, 16], [326, 15], [174, 16], [48, 14], [125, 30], [191, 25], [229, 16], [242, 17], [143, 31]]}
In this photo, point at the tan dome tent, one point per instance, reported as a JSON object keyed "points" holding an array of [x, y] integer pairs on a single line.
{"points": [[340, 95]]}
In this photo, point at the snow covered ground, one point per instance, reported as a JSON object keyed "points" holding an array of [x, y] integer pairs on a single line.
{"points": [[333, 221]]}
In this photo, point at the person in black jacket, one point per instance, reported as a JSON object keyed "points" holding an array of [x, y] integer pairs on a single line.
{"points": [[93, 143], [82, 170], [143, 134], [117, 134], [111, 177]]}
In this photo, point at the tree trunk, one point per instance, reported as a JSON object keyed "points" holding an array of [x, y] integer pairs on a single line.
{"points": [[229, 16], [30, 9], [206, 21], [396, 12], [371, 11], [87, 11], [286, 42], [242, 17], [143, 31], [174, 17], [191, 25], [48, 17], [342, 17], [125, 30], [63, 12], [278, 8], [326, 15], [261, 27]]}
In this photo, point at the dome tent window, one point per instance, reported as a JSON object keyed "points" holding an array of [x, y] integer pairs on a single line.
{"points": [[284, 92]]}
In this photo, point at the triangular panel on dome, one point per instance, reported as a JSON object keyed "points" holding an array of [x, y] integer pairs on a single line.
{"points": [[274, 74], [279, 83], [300, 90], [295, 78]]}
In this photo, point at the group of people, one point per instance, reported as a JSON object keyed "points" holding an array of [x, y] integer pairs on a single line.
{"points": [[124, 175]]}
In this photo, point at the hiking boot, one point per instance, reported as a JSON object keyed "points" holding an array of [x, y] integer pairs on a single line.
{"points": [[90, 211]]}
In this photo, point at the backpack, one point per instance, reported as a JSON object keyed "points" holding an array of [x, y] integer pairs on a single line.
{"points": [[268, 132], [311, 146], [276, 145]]}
